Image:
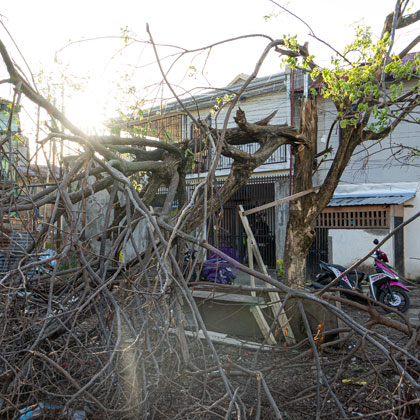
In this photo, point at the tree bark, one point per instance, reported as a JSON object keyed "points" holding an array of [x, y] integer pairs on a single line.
{"points": [[302, 211]]}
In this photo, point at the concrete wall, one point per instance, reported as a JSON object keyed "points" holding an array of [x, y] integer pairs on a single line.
{"points": [[141, 240], [349, 245], [96, 207], [412, 239]]}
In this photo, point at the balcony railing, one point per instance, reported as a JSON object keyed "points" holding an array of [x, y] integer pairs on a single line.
{"points": [[279, 156], [201, 164], [172, 128]]}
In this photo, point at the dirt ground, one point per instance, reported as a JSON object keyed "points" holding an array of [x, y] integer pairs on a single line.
{"points": [[360, 380], [357, 372]]}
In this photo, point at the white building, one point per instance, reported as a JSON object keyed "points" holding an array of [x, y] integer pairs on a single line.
{"points": [[377, 192]]}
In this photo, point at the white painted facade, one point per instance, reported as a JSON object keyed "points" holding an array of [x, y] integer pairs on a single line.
{"points": [[349, 245], [371, 167], [412, 238], [372, 162], [256, 108], [375, 167]]}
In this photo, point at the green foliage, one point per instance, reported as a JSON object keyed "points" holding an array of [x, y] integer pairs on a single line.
{"points": [[220, 102], [125, 35], [269, 17], [381, 119], [354, 75], [18, 139], [192, 71], [280, 267], [137, 185], [354, 81], [188, 152], [190, 158], [361, 80]]}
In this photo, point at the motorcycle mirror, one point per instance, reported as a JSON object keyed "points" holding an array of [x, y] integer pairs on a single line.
{"points": [[376, 242]]}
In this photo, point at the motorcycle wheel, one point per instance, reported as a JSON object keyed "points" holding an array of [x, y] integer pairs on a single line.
{"points": [[401, 301]]}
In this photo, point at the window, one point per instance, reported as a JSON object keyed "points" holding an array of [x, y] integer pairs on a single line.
{"points": [[363, 217], [167, 128]]}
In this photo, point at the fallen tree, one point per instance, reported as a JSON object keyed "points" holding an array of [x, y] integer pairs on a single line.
{"points": [[96, 335]]}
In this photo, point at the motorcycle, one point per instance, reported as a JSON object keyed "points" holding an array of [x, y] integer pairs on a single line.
{"points": [[215, 269], [384, 286]]}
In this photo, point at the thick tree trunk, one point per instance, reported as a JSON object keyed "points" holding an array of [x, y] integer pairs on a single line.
{"points": [[298, 241], [302, 212], [305, 210]]}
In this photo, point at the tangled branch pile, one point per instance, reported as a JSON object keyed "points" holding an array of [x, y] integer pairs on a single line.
{"points": [[94, 336]]}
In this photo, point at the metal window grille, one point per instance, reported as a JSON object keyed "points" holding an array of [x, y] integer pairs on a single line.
{"points": [[318, 252], [171, 128], [201, 157], [372, 217]]}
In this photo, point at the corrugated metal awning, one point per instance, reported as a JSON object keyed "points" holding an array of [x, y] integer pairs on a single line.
{"points": [[370, 199]]}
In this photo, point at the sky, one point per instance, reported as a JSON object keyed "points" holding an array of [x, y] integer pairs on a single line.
{"points": [[101, 68]]}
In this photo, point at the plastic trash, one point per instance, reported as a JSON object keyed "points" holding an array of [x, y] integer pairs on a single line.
{"points": [[48, 253], [36, 410]]}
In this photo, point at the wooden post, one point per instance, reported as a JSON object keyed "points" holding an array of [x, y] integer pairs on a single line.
{"points": [[274, 296], [256, 310], [340, 323]]}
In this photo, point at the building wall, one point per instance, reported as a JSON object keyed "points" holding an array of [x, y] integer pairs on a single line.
{"points": [[256, 108], [411, 239], [96, 208], [372, 162], [349, 245]]}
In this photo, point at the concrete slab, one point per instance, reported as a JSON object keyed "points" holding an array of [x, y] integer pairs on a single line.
{"points": [[243, 278]]}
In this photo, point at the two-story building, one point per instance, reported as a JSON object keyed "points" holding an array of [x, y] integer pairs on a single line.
{"points": [[377, 191], [269, 182]]}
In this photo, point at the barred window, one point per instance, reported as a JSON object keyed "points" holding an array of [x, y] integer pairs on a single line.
{"points": [[365, 217], [170, 128]]}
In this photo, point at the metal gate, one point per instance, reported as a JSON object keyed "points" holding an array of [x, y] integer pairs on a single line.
{"points": [[318, 252], [226, 230]]}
